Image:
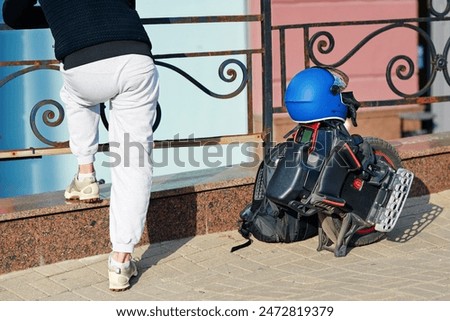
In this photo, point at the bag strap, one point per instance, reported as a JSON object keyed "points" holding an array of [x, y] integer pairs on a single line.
{"points": [[238, 247]]}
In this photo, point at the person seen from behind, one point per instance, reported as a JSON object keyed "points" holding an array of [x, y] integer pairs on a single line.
{"points": [[105, 55]]}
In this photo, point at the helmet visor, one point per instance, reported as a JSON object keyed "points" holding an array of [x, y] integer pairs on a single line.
{"points": [[340, 80]]}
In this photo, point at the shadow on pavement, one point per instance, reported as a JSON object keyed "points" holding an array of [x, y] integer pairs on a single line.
{"points": [[417, 214]]}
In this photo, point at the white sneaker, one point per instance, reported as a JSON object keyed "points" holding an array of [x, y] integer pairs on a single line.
{"points": [[119, 277], [86, 190]]}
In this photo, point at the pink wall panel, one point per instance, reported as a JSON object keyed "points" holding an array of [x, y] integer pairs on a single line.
{"points": [[367, 67]]}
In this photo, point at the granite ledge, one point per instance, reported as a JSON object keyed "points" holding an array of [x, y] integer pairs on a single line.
{"points": [[422, 145], [164, 186]]}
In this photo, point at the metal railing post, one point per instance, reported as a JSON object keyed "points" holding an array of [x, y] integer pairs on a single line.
{"points": [[267, 74]]}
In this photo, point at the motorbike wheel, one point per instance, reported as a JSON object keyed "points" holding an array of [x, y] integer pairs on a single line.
{"points": [[387, 153]]}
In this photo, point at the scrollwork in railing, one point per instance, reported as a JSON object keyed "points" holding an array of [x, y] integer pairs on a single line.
{"points": [[48, 117], [443, 62], [227, 75], [404, 65], [403, 72], [439, 14]]}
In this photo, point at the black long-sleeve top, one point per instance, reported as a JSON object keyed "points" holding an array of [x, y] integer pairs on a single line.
{"points": [[84, 30]]}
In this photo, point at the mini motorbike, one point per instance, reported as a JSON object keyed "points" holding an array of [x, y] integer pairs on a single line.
{"points": [[353, 187]]}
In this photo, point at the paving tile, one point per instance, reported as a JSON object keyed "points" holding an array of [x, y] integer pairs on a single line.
{"points": [[235, 283], [24, 275], [99, 267], [21, 287], [98, 292], [48, 286], [48, 270], [78, 278], [6, 295], [103, 258], [185, 265], [70, 265], [155, 291], [203, 242], [418, 292], [162, 271], [66, 296]]}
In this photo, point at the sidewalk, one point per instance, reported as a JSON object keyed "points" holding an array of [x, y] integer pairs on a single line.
{"points": [[413, 263]]}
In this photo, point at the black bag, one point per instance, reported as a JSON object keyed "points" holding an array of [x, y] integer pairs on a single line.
{"points": [[271, 224], [267, 221]]}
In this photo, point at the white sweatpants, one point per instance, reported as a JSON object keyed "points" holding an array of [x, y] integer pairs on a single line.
{"points": [[131, 84]]}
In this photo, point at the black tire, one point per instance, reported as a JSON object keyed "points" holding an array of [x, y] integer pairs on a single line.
{"points": [[387, 153]]}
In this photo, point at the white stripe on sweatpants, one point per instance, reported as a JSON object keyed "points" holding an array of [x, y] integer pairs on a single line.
{"points": [[131, 84]]}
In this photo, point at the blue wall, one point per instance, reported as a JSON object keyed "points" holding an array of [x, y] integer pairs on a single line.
{"points": [[187, 112], [17, 99]]}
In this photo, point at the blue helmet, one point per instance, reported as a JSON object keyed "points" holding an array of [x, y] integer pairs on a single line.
{"points": [[314, 94]]}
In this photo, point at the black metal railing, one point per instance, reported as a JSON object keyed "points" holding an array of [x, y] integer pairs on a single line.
{"points": [[323, 42], [228, 72], [318, 42]]}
